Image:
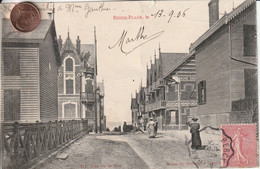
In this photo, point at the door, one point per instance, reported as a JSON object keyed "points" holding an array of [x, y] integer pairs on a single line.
{"points": [[11, 105]]}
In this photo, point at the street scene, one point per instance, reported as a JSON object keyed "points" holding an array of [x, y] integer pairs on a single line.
{"points": [[169, 84]]}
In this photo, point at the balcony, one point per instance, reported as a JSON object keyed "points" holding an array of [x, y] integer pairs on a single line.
{"points": [[89, 71], [173, 104], [160, 83], [87, 97], [156, 105]]}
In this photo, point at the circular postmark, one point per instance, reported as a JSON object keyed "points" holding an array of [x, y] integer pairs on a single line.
{"points": [[25, 17]]}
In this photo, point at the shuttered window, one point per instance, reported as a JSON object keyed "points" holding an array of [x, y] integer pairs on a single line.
{"points": [[69, 65], [249, 40], [202, 92], [69, 86], [11, 62], [11, 105]]}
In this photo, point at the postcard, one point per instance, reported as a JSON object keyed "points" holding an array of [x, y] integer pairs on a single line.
{"points": [[129, 84]]}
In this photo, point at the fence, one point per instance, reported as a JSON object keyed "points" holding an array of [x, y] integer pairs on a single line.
{"points": [[23, 144]]}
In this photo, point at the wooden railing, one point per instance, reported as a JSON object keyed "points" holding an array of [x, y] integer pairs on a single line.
{"points": [[24, 144]]}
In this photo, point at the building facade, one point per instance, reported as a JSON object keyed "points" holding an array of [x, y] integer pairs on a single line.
{"points": [[29, 64], [80, 96], [226, 66], [159, 99]]}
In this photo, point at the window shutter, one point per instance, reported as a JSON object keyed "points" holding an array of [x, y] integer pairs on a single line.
{"points": [[249, 40], [204, 88], [11, 105], [11, 62], [199, 92]]}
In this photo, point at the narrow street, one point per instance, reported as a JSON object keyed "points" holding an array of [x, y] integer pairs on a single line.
{"points": [[137, 151]]}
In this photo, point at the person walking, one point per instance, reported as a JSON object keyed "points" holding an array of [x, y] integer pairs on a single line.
{"points": [[138, 128], [151, 128], [195, 134]]}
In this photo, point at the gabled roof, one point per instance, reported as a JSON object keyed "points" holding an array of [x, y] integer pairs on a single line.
{"points": [[222, 21], [169, 60], [68, 45], [10, 34], [134, 103]]}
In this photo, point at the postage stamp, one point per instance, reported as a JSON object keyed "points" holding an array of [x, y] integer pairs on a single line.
{"points": [[239, 145]]}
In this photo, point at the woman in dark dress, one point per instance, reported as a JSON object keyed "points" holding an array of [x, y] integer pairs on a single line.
{"points": [[195, 134]]}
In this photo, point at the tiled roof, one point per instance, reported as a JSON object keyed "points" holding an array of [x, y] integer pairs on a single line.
{"points": [[169, 60], [10, 34], [68, 45], [222, 21]]}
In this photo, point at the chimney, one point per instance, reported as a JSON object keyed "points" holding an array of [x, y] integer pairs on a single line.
{"points": [[78, 45], [60, 42], [213, 12]]}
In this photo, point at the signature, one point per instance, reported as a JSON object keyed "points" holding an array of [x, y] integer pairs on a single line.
{"points": [[140, 36], [90, 9]]}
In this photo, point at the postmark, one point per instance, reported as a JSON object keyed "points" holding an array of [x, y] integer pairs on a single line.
{"points": [[240, 150], [25, 17]]}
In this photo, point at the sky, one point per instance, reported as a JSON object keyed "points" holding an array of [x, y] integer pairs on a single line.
{"points": [[122, 73]]}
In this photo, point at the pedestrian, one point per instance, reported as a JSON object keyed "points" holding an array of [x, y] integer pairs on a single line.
{"points": [[138, 128], [124, 127], [151, 128], [156, 127], [195, 133]]}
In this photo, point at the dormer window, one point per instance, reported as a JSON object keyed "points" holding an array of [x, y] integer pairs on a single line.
{"points": [[69, 65]]}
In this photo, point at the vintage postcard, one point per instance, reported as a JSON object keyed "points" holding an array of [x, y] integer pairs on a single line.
{"points": [[129, 84]]}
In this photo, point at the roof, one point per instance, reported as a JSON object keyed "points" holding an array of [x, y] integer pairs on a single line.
{"points": [[87, 51], [169, 60], [134, 103], [223, 21], [10, 34]]}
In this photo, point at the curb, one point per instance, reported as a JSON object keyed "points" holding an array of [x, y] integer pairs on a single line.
{"points": [[51, 156]]}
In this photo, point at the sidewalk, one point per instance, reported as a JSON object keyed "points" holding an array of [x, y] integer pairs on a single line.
{"points": [[209, 157]]}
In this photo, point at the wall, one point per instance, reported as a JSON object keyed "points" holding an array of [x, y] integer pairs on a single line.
{"points": [[27, 82], [237, 43], [213, 66], [48, 80]]}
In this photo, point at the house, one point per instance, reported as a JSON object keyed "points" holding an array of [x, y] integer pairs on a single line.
{"points": [[226, 66], [29, 72], [80, 97], [162, 94]]}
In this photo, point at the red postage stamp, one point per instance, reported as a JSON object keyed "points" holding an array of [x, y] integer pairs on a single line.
{"points": [[239, 145]]}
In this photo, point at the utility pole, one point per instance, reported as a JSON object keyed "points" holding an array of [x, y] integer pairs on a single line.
{"points": [[95, 82], [179, 104]]}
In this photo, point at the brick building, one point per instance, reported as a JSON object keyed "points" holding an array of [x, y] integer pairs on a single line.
{"points": [[29, 65]]}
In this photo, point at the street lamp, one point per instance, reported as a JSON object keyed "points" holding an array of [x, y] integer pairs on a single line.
{"points": [[176, 80]]}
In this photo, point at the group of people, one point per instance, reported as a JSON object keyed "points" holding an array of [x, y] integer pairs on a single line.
{"points": [[152, 127]]}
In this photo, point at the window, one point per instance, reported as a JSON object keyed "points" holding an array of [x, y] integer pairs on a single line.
{"points": [[249, 40], [69, 65], [69, 86], [202, 92], [89, 86], [11, 62], [11, 105]]}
